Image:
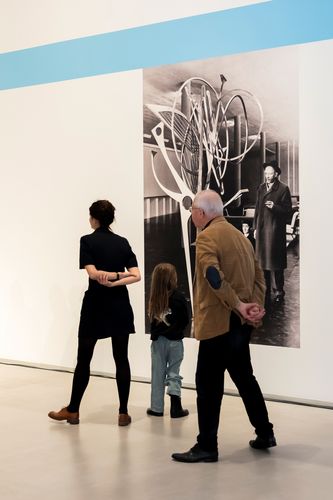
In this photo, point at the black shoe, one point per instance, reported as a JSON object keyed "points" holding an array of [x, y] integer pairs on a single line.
{"points": [[260, 443], [154, 413], [178, 413], [196, 454], [176, 409]]}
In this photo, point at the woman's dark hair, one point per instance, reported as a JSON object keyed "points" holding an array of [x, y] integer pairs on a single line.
{"points": [[103, 211], [163, 283]]}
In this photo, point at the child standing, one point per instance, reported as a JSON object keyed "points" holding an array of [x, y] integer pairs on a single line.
{"points": [[167, 311]]}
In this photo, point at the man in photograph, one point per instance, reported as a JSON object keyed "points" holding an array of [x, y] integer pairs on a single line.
{"points": [[273, 209], [229, 290]]}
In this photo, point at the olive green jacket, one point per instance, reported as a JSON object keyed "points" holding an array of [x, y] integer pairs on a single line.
{"points": [[223, 246]]}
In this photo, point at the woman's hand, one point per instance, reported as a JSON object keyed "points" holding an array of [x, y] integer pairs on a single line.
{"points": [[103, 277], [98, 275]]}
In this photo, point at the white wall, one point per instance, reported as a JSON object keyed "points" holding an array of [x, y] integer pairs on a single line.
{"points": [[37, 22], [66, 144]]}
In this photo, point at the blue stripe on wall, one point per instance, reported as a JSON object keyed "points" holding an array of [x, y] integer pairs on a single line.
{"points": [[244, 29]]}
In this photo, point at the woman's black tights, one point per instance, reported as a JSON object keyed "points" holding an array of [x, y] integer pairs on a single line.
{"points": [[82, 370]]}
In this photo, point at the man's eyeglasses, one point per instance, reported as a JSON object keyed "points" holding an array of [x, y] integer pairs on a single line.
{"points": [[193, 208]]}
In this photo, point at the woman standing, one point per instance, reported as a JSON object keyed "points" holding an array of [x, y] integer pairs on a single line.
{"points": [[106, 309]]}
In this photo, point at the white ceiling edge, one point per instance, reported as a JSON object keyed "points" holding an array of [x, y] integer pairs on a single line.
{"points": [[39, 22]]}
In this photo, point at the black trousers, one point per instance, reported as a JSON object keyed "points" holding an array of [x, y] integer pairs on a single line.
{"points": [[82, 371], [227, 352]]}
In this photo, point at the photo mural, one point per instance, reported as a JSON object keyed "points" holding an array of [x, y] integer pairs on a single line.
{"points": [[216, 124]]}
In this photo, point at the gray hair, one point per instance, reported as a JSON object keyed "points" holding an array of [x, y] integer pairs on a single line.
{"points": [[210, 202]]}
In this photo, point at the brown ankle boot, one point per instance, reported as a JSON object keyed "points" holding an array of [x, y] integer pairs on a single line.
{"points": [[124, 419], [64, 414]]}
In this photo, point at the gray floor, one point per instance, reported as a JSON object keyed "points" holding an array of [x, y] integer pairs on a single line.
{"points": [[43, 459]]}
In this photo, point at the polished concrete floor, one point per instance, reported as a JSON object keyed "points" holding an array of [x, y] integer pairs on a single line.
{"points": [[43, 459]]}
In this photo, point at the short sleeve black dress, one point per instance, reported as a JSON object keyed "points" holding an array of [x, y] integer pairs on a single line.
{"points": [[106, 312]]}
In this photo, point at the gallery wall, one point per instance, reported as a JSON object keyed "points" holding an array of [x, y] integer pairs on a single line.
{"points": [[69, 141]]}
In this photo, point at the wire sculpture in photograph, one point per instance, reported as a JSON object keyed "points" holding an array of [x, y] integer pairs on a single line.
{"points": [[201, 126]]}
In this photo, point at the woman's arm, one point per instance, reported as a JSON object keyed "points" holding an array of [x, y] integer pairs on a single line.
{"points": [[103, 276], [95, 274], [110, 279], [132, 275]]}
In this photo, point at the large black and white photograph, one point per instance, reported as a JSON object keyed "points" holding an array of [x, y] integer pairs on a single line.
{"points": [[228, 124]]}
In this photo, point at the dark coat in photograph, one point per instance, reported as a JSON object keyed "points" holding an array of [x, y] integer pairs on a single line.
{"points": [[270, 226]]}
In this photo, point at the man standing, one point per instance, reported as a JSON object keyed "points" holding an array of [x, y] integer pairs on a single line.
{"points": [[246, 230], [229, 290], [273, 208]]}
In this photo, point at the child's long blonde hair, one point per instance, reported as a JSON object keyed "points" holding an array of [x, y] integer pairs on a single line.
{"points": [[163, 283]]}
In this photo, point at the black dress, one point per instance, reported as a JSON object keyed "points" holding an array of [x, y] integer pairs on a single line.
{"points": [[106, 312]]}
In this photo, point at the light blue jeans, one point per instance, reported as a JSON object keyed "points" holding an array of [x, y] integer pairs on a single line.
{"points": [[166, 357]]}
